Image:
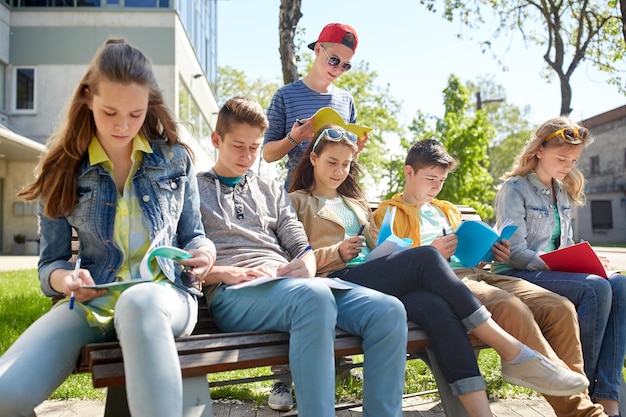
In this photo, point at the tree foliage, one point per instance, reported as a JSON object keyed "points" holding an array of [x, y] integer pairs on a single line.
{"points": [[466, 135], [376, 108], [510, 124], [569, 31], [233, 82]]}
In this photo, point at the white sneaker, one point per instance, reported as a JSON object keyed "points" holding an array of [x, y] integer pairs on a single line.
{"points": [[280, 398], [543, 375]]}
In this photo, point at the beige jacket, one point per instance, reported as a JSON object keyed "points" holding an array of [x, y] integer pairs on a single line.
{"points": [[326, 231]]}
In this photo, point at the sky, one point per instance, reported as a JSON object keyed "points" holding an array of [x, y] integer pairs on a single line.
{"points": [[412, 50]]}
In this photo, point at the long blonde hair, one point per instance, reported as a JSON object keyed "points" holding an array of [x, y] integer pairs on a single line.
{"points": [[57, 172], [527, 160]]}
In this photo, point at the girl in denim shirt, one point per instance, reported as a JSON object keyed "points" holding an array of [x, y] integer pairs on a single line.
{"points": [[537, 196], [117, 173]]}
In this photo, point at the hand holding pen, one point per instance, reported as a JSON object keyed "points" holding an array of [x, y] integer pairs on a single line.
{"points": [[75, 278], [298, 267], [446, 243]]}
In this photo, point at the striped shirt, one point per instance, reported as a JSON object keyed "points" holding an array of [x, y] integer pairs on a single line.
{"points": [[297, 101]]}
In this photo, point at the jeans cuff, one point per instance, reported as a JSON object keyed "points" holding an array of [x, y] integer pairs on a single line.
{"points": [[465, 385], [475, 319]]}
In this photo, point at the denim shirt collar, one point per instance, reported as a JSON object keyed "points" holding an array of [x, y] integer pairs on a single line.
{"points": [[541, 189]]}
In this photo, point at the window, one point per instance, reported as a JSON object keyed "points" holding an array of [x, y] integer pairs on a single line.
{"points": [[24, 92], [595, 164], [601, 214]]}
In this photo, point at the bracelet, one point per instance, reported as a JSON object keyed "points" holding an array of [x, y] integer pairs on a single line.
{"points": [[290, 139]]}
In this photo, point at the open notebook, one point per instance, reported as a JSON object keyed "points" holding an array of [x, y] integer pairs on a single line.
{"points": [[576, 258]]}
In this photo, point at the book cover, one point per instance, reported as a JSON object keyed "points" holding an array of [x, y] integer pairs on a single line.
{"points": [[388, 242], [147, 269], [476, 239], [579, 257], [329, 116]]}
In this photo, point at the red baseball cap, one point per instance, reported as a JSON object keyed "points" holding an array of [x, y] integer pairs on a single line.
{"points": [[338, 33]]}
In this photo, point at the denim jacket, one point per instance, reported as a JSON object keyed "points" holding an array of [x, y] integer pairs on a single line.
{"points": [[167, 185], [528, 203]]}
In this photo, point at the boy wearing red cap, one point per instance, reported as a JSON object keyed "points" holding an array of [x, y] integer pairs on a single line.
{"points": [[292, 106], [291, 125]]}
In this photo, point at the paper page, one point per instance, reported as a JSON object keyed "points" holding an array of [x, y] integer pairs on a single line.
{"points": [[390, 246], [171, 252], [117, 285]]}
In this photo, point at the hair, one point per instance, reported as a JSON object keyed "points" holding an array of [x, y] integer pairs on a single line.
{"points": [[429, 153], [302, 177], [116, 61], [527, 160], [238, 110]]}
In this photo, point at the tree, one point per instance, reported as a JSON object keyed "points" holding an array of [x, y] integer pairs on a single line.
{"points": [[233, 82], [466, 135], [569, 31], [622, 4], [288, 19], [510, 123], [378, 109]]}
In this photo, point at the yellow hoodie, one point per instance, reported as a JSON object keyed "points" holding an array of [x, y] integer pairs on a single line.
{"points": [[407, 220]]}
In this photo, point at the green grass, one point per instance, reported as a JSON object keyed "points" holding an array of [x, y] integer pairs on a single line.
{"points": [[21, 303]]}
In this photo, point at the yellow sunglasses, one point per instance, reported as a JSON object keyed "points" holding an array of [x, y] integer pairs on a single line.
{"points": [[570, 135]]}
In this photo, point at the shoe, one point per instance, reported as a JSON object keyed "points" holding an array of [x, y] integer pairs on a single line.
{"points": [[280, 398], [543, 375]]}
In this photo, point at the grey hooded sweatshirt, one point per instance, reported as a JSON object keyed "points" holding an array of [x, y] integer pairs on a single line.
{"points": [[252, 224]]}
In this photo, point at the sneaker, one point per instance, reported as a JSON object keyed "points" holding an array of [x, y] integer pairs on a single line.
{"points": [[543, 375], [280, 397]]}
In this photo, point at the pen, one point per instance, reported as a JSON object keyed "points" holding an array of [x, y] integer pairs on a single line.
{"points": [[76, 269], [360, 232], [443, 230], [303, 252]]}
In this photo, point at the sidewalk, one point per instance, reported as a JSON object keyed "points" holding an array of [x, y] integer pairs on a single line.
{"points": [[412, 406], [11, 262]]}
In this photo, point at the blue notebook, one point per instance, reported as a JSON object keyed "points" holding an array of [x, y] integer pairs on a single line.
{"points": [[476, 239]]}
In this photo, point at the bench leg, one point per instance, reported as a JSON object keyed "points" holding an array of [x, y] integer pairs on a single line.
{"points": [[451, 404], [116, 404], [196, 399]]}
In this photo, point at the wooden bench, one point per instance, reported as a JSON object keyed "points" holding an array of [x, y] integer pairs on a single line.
{"points": [[208, 350]]}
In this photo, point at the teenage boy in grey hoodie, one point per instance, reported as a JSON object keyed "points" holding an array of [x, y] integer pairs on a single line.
{"points": [[256, 233]]}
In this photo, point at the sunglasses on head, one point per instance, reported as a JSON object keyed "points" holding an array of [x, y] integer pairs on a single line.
{"points": [[570, 135], [334, 135], [333, 61]]}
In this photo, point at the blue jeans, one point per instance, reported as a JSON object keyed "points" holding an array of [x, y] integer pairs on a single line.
{"points": [[309, 311], [601, 307], [147, 318], [436, 299]]}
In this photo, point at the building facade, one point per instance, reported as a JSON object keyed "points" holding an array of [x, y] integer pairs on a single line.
{"points": [[602, 220], [45, 47]]}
